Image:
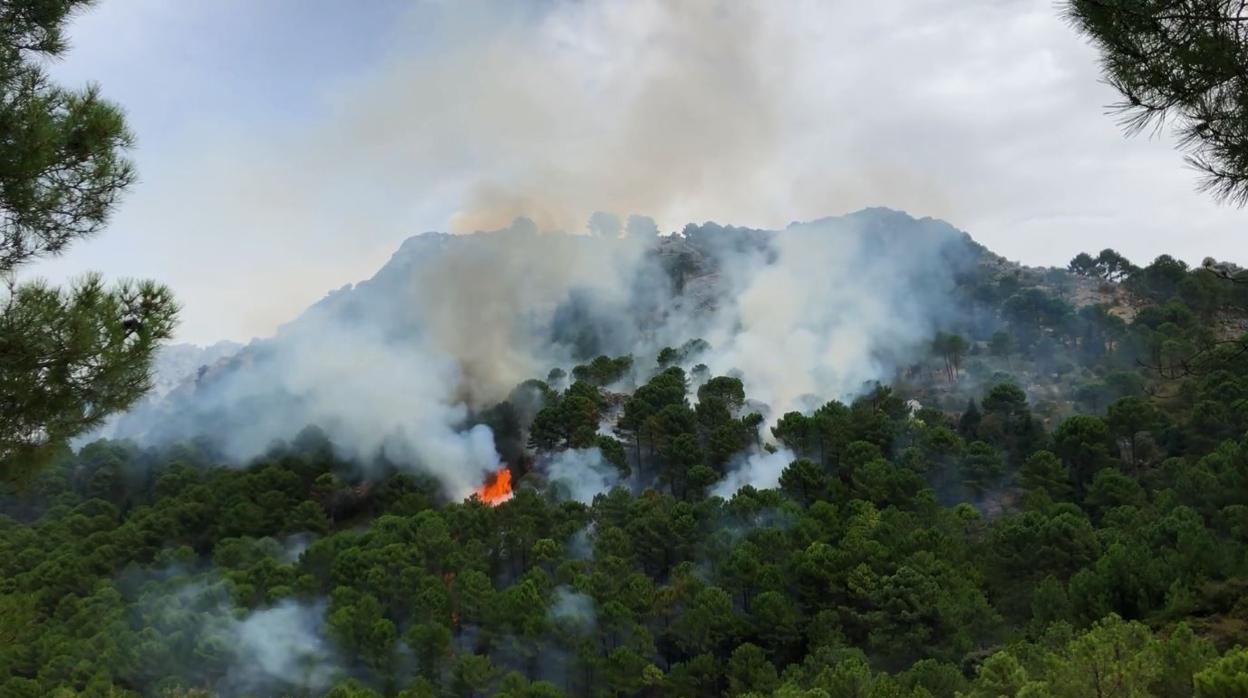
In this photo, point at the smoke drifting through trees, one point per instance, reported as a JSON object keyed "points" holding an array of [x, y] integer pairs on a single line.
{"points": [[267, 650], [759, 470], [395, 368], [581, 473]]}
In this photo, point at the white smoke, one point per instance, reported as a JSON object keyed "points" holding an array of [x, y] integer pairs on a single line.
{"points": [[373, 395], [759, 470], [284, 644], [581, 544], [394, 368], [276, 648], [843, 302], [581, 474], [294, 545], [572, 608]]}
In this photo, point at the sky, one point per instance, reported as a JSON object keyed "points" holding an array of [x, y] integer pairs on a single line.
{"points": [[286, 148]]}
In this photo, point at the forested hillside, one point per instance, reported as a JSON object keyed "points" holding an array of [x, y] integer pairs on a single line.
{"points": [[557, 452], [1050, 498]]}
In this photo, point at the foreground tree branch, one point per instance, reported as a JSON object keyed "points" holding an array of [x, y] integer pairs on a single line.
{"points": [[68, 358], [1182, 63]]}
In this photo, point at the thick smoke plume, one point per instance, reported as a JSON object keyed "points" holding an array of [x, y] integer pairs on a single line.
{"points": [[842, 302], [394, 369], [391, 368], [665, 108]]}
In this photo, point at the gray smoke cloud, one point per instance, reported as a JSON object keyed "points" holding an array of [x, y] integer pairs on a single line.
{"points": [[654, 107]]}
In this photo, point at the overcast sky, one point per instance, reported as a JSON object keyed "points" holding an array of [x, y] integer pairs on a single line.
{"points": [[287, 147]]}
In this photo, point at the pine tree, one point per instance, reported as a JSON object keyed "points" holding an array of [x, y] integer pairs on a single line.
{"points": [[68, 357]]}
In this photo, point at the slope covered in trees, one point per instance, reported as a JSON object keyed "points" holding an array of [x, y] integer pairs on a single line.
{"points": [[1030, 508]]}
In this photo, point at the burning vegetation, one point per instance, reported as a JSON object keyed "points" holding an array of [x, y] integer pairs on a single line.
{"points": [[497, 487]]}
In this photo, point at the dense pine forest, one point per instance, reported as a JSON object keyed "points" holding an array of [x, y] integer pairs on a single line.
{"points": [[1053, 503]]}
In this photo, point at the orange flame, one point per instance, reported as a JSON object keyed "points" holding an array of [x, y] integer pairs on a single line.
{"points": [[497, 487]]}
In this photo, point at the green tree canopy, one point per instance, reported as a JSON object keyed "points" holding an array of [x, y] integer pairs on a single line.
{"points": [[68, 357]]}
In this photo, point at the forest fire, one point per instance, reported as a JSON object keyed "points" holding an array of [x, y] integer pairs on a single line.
{"points": [[497, 487]]}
